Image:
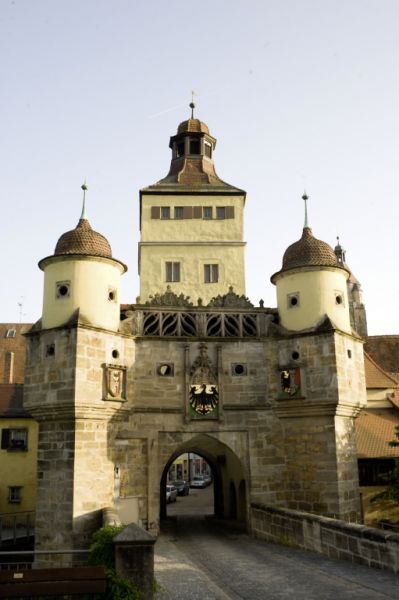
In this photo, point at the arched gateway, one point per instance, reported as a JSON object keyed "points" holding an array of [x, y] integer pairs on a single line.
{"points": [[267, 396]]}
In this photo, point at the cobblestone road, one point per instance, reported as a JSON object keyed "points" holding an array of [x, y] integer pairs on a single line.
{"points": [[196, 558]]}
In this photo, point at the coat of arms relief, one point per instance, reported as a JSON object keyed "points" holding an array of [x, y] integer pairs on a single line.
{"points": [[203, 387], [114, 382]]}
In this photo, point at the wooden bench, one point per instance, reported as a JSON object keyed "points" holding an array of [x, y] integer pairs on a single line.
{"points": [[52, 582]]}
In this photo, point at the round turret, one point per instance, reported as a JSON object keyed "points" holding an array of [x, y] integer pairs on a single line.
{"points": [[311, 285], [81, 279]]}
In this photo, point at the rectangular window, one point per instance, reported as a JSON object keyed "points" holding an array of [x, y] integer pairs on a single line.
{"points": [[14, 439], [15, 494], [11, 333], [155, 212], [172, 271], [178, 212], [207, 212], [197, 212], [165, 212], [220, 212], [208, 150], [211, 273]]}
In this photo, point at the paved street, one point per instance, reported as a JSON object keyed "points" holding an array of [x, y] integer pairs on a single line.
{"points": [[199, 559]]}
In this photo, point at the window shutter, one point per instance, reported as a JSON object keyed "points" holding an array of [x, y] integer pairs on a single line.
{"points": [[229, 212], [197, 212], [155, 212], [187, 212], [5, 439]]}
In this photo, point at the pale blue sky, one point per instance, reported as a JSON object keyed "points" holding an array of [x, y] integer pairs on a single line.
{"points": [[299, 94]]}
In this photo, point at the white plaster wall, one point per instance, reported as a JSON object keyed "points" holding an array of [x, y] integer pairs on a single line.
{"points": [[317, 288], [91, 279]]}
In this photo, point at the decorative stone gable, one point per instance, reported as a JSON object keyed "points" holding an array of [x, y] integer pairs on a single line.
{"points": [[232, 300], [169, 298]]}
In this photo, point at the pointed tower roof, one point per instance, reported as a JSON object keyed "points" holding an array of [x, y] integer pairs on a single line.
{"points": [[340, 254], [192, 167]]}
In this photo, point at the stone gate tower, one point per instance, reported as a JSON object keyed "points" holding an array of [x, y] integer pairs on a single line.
{"points": [[267, 396]]}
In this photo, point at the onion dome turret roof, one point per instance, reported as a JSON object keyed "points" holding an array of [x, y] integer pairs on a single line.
{"points": [[308, 251], [83, 240], [191, 126]]}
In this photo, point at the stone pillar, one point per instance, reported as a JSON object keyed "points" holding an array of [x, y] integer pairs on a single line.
{"points": [[134, 558]]}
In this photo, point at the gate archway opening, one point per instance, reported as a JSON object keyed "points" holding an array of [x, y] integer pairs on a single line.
{"points": [[227, 473]]}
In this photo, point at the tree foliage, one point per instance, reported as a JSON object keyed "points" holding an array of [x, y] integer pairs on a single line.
{"points": [[102, 552]]}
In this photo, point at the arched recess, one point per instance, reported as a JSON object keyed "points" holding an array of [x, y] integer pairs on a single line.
{"points": [[226, 469]]}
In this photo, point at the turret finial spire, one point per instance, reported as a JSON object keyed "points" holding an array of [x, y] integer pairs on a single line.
{"points": [[305, 198], [84, 188], [192, 105]]}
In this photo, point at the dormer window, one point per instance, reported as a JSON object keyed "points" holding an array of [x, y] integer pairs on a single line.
{"points": [[195, 147]]}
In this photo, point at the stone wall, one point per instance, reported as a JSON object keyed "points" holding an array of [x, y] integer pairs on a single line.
{"points": [[336, 539]]}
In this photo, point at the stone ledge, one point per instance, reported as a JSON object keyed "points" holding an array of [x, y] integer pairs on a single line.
{"points": [[332, 537]]}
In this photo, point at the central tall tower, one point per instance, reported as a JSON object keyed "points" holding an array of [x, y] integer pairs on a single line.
{"points": [[191, 223]]}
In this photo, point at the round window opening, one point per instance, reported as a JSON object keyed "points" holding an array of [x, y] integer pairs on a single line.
{"points": [[165, 370], [111, 296], [338, 299], [293, 301], [115, 354], [239, 369], [63, 290], [295, 355]]}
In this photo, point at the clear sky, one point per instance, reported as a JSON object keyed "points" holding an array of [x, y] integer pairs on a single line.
{"points": [[299, 94]]}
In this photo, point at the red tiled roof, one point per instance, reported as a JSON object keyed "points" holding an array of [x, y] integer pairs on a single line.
{"points": [[376, 377], [384, 349], [374, 429]]}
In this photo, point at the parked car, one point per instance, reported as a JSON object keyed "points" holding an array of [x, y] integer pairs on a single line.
{"points": [[208, 479], [182, 487], [198, 482], [171, 493]]}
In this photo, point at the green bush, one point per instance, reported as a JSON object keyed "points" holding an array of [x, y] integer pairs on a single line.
{"points": [[102, 553]]}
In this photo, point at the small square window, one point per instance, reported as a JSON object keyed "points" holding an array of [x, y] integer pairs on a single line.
{"points": [[165, 212], [207, 212], [15, 494], [166, 369], [172, 271], [239, 369], [63, 289], [220, 212], [178, 212], [11, 333], [211, 273]]}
